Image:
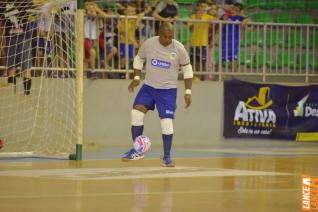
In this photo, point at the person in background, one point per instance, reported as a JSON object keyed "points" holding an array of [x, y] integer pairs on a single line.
{"points": [[231, 35], [199, 38], [90, 33], [18, 35], [107, 39], [127, 34], [166, 11], [106, 45]]}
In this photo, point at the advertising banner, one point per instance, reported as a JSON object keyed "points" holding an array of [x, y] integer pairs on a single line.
{"points": [[270, 111]]}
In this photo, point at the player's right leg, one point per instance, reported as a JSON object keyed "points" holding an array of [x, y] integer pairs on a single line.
{"points": [[143, 102], [137, 127]]}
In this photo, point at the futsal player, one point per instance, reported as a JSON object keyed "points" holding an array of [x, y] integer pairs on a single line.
{"points": [[164, 57]]}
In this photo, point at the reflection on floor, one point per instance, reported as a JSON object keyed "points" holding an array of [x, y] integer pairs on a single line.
{"points": [[238, 177]]}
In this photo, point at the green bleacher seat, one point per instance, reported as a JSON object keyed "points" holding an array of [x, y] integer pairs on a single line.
{"points": [[253, 38], [216, 56], [313, 40], [312, 4], [187, 2], [185, 34], [284, 60], [272, 4], [305, 19], [312, 61], [295, 39], [263, 17], [259, 60], [294, 4], [184, 13], [252, 3], [274, 37], [246, 59], [284, 18]]}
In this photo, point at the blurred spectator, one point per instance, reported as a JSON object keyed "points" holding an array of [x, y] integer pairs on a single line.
{"points": [[213, 10], [107, 39], [2, 43], [18, 35], [44, 28], [106, 45], [90, 32], [144, 9], [199, 38], [63, 23], [127, 34], [231, 35], [167, 11]]}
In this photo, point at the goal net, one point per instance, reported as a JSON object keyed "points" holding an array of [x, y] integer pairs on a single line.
{"points": [[38, 82]]}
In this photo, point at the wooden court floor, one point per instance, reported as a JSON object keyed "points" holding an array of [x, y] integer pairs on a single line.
{"points": [[240, 184]]}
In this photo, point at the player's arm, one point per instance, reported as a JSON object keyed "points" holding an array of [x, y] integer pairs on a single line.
{"points": [[187, 76], [138, 66]]}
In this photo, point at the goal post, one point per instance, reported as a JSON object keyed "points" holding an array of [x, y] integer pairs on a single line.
{"points": [[41, 78], [80, 73]]}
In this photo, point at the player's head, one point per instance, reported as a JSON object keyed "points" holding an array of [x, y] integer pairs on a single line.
{"points": [[165, 33]]}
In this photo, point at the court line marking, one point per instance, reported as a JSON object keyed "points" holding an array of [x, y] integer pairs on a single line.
{"points": [[254, 152], [121, 173], [144, 193]]}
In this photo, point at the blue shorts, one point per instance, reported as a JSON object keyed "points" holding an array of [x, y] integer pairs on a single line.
{"points": [[102, 53], [163, 99], [131, 50]]}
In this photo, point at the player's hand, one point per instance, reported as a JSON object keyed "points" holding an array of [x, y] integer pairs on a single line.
{"points": [[187, 100], [132, 85]]}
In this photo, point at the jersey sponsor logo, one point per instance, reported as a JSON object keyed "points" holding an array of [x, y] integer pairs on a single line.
{"points": [[169, 112], [173, 55], [160, 63]]}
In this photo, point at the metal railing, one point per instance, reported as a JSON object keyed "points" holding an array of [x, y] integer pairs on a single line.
{"points": [[257, 49]]}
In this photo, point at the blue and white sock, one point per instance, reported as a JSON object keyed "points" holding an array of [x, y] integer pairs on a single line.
{"points": [[167, 143], [136, 131]]}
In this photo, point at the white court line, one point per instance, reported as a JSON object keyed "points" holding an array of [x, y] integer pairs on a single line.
{"points": [[28, 196], [254, 152], [120, 173]]}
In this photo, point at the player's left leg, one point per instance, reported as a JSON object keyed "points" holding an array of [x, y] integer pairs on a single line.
{"points": [[166, 106], [167, 135]]}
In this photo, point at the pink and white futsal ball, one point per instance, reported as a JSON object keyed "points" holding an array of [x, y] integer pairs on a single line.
{"points": [[142, 144]]}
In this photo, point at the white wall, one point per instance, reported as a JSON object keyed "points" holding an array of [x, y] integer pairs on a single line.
{"points": [[107, 114]]}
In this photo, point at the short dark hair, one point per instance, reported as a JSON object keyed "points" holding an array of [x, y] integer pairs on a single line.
{"points": [[239, 5], [165, 26]]}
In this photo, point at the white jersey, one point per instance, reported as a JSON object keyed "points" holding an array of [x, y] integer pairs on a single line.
{"points": [[163, 62]]}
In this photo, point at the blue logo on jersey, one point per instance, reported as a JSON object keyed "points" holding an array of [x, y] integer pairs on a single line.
{"points": [[160, 63]]}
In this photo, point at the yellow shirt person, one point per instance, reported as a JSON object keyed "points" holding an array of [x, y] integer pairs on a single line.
{"points": [[130, 30], [200, 30]]}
